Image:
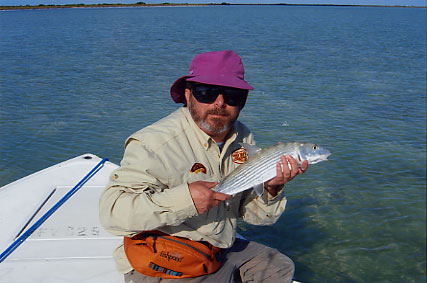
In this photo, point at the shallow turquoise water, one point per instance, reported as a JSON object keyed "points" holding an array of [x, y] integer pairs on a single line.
{"points": [[351, 79]]}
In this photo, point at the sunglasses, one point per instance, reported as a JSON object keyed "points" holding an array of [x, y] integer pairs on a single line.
{"points": [[209, 93]]}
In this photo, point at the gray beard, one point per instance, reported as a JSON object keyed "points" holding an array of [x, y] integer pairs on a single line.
{"points": [[216, 128]]}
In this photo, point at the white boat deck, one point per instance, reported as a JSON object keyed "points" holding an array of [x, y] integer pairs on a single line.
{"points": [[71, 246]]}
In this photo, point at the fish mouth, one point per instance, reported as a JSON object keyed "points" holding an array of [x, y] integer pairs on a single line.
{"points": [[320, 158]]}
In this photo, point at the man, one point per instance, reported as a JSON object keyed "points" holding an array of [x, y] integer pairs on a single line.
{"points": [[169, 168]]}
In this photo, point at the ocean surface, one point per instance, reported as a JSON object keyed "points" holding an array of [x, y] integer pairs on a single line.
{"points": [[352, 79]]}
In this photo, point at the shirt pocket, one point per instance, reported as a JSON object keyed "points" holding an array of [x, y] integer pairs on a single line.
{"points": [[199, 172]]}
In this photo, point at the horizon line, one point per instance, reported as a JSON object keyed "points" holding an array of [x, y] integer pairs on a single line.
{"points": [[142, 4]]}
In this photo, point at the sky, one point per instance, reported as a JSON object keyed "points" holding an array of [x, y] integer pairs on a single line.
{"points": [[340, 2]]}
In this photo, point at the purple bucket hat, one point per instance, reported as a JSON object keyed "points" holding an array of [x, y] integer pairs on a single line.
{"points": [[222, 68]]}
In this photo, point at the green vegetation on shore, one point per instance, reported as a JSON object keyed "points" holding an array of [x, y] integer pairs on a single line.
{"points": [[143, 4], [138, 4]]}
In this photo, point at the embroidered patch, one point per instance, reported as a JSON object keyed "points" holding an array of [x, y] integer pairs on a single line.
{"points": [[197, 168], [239, 156]]}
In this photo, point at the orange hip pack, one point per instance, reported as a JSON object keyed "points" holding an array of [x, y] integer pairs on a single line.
{"points": [[158, 254]]}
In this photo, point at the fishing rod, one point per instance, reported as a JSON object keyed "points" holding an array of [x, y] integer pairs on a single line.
{"points": [[51, 211]]}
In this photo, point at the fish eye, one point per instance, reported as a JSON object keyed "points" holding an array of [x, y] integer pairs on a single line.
{"points": [[315, 147]]}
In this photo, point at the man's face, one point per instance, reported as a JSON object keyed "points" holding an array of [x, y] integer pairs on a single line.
{"points": [[215, 118]]}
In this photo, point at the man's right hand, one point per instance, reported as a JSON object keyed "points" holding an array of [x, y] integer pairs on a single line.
{"points": [[203, 197]]}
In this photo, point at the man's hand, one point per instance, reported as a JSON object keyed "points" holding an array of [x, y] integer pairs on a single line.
{"points": [[284, 174], [203, 197]]}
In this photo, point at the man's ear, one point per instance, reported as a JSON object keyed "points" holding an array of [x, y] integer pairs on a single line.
{"points": [[187, 96]]}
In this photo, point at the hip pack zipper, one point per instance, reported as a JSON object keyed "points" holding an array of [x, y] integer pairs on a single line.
{"points": [[187, 245]]}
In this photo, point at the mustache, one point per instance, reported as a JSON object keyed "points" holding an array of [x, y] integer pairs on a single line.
{"points": [[218, 111]]}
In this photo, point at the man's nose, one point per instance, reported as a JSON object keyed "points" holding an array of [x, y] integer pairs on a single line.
{"points": [[220, 100]]}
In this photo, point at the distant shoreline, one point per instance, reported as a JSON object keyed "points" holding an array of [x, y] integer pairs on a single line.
{"points": [[142, 4]]}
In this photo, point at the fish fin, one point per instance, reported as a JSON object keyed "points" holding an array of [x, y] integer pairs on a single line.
{"points": [[259, 189], [250, 148]]}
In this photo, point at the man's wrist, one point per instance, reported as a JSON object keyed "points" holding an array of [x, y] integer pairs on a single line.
{"points": [[273, 190]]}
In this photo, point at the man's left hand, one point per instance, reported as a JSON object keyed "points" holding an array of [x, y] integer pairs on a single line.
{"points": [[284, 174]]}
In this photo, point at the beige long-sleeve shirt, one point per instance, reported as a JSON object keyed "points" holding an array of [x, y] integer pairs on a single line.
{"points": [[149, 191]]}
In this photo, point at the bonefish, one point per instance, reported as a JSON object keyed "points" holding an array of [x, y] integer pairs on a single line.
{"points": [[261, 165]]}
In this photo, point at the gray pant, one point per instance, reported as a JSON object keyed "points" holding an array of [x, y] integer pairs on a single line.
{"points": [[245, 261]]}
